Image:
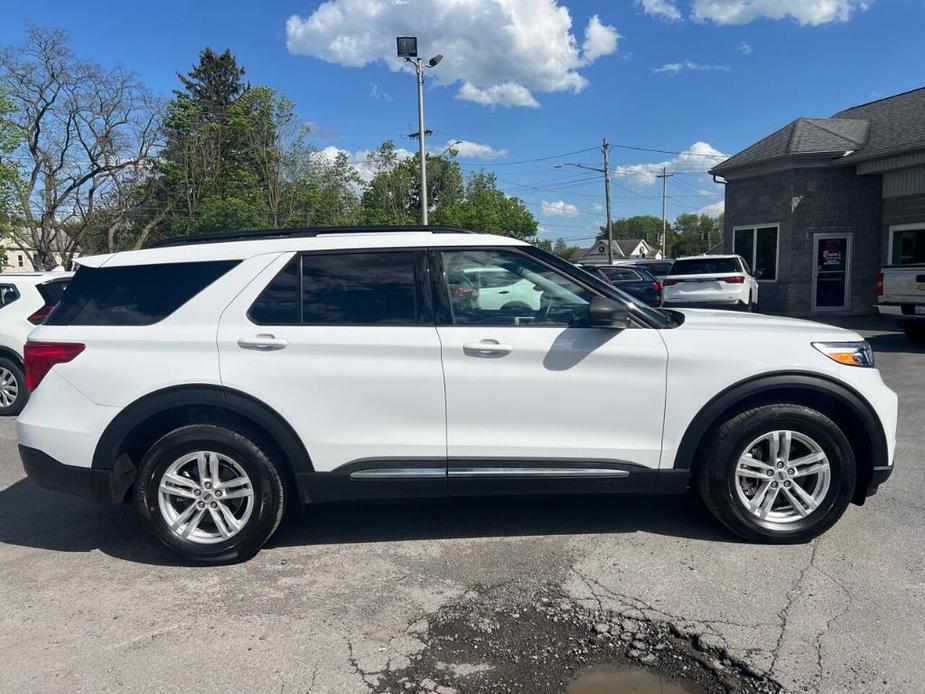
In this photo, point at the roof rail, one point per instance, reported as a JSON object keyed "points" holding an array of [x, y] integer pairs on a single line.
{"points": [[302, 232]]}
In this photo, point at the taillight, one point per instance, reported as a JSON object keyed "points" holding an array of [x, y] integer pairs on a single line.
{"points": [[668, 283], [737, 279], [879, 284], [40, 315], [41, 356], [657, 286]]}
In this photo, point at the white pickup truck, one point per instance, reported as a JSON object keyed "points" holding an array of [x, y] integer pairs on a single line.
{"points": [[903, 286]]}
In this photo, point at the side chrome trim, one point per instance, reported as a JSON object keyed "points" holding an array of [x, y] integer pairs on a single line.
{"points": [[535, 472], [397, 473]]}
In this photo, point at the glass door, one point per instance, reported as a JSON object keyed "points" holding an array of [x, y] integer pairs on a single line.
{"points": [[832, 272]]}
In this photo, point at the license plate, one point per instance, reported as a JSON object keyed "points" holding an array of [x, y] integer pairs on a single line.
{"points": [[920, 310]]}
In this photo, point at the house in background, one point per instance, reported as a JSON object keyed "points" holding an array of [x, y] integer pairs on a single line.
{"points": [[19, 259], [818, 207], [622, 249]]}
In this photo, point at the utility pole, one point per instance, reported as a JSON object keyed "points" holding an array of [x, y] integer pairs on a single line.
{"points": [[664, 175], [605, 148]]}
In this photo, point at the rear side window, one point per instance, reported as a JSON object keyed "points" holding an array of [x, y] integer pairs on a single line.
{"points": [[133, 295], [705, 266], [52, 291], [8, 294], [355, 288]]}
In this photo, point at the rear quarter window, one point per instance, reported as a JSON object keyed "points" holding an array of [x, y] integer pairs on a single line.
{"points": [[8, 294], [52, 291], [134, 294]]}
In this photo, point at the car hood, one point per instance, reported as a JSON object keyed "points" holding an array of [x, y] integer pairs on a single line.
{"points": [[701, 319]]}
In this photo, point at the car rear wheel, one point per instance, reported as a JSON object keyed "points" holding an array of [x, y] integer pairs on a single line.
{"points": [[915, 330], [13, 392], [210, 494], [781, 473]]}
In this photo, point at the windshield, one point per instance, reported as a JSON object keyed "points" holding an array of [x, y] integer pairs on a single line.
{"points": [[705, 266]]}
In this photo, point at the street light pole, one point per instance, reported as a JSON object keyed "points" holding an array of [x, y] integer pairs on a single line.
{"points": [[408, 49], [605, 148], [419, 68]]}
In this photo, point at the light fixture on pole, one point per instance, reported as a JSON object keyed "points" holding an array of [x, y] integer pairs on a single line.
{"points": [[408, 49], [605, 148]]}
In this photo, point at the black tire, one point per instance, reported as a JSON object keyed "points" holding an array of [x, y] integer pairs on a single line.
{"points": [[715, 472], [269, 498], [915, 330], [22, 393]]}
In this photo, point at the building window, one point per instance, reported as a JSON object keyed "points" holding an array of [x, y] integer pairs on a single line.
{"points": [[758, 245], [19, 259], [907, 245]]}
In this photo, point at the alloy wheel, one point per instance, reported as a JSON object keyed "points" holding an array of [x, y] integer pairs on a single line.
{"points": [[9, 387], [205, 497], [782, 476]]}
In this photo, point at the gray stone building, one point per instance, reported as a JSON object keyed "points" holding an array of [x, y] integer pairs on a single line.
{"points": [[819, 206]]}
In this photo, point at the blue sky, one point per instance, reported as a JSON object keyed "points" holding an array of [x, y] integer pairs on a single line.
{"points": [[533, 79]]}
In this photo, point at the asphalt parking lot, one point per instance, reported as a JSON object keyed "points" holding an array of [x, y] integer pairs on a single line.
{"points": [[345, 593]]}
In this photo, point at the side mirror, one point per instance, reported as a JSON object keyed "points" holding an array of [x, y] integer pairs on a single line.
{"points": [[607, 313]]}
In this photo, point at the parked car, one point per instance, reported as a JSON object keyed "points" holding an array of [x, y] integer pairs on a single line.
{"points": [[25, 300], [903, 286], [711, 281], [498, 288], [633, 280], [657, 268], [213, 380]]}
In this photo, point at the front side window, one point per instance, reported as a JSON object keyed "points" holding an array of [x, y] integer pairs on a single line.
{"points": [[532, 294], [758, 245], [908, 246], [344, 288]]}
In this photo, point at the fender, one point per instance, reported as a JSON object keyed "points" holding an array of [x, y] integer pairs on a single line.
{"points": [[798, 380], [109, 447], [12, 355]]}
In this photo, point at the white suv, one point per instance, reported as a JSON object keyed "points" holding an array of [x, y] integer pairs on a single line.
{"points": [[25, 299], [710, 281], [215, 380]]}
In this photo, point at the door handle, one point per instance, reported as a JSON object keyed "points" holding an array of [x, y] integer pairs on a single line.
{"points": [[487, 348], [263, 343]]}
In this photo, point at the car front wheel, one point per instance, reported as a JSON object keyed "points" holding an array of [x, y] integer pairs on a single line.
{"points": [[13, 393], [780, 473], [210, 494]]}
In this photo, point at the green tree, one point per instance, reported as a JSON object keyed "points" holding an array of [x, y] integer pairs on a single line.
{"points": [[562, 249], [692, 234], [488, 209], [646, 227], [10, 138], [214, 84]]}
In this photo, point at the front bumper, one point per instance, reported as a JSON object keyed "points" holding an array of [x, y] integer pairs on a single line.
{"points": [[93, 483]]}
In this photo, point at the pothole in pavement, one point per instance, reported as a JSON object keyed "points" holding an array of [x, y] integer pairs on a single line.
{"points": [[497, 642]]}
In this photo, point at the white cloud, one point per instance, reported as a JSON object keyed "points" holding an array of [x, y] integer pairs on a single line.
{"points": [[597, 207], [507, 94], [472, 150], [714, 209], [689, 65], [559, 208], [664, 9], [803, 12], [500, 51], [359, 159], [697, 158], [378, 94], [744, 48], [600, 40]]}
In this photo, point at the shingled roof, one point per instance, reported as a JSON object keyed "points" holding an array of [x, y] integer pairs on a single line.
{"points": [[887, 126]]}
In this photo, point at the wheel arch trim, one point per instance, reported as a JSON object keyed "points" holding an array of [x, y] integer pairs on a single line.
{"points": [[813, 383], [110, 445]]}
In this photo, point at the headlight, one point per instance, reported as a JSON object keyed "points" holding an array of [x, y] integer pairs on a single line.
{"points": [[848, 353]]}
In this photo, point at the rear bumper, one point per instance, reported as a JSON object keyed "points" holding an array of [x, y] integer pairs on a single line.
{"points": [[735, 305], [92, 483]]}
